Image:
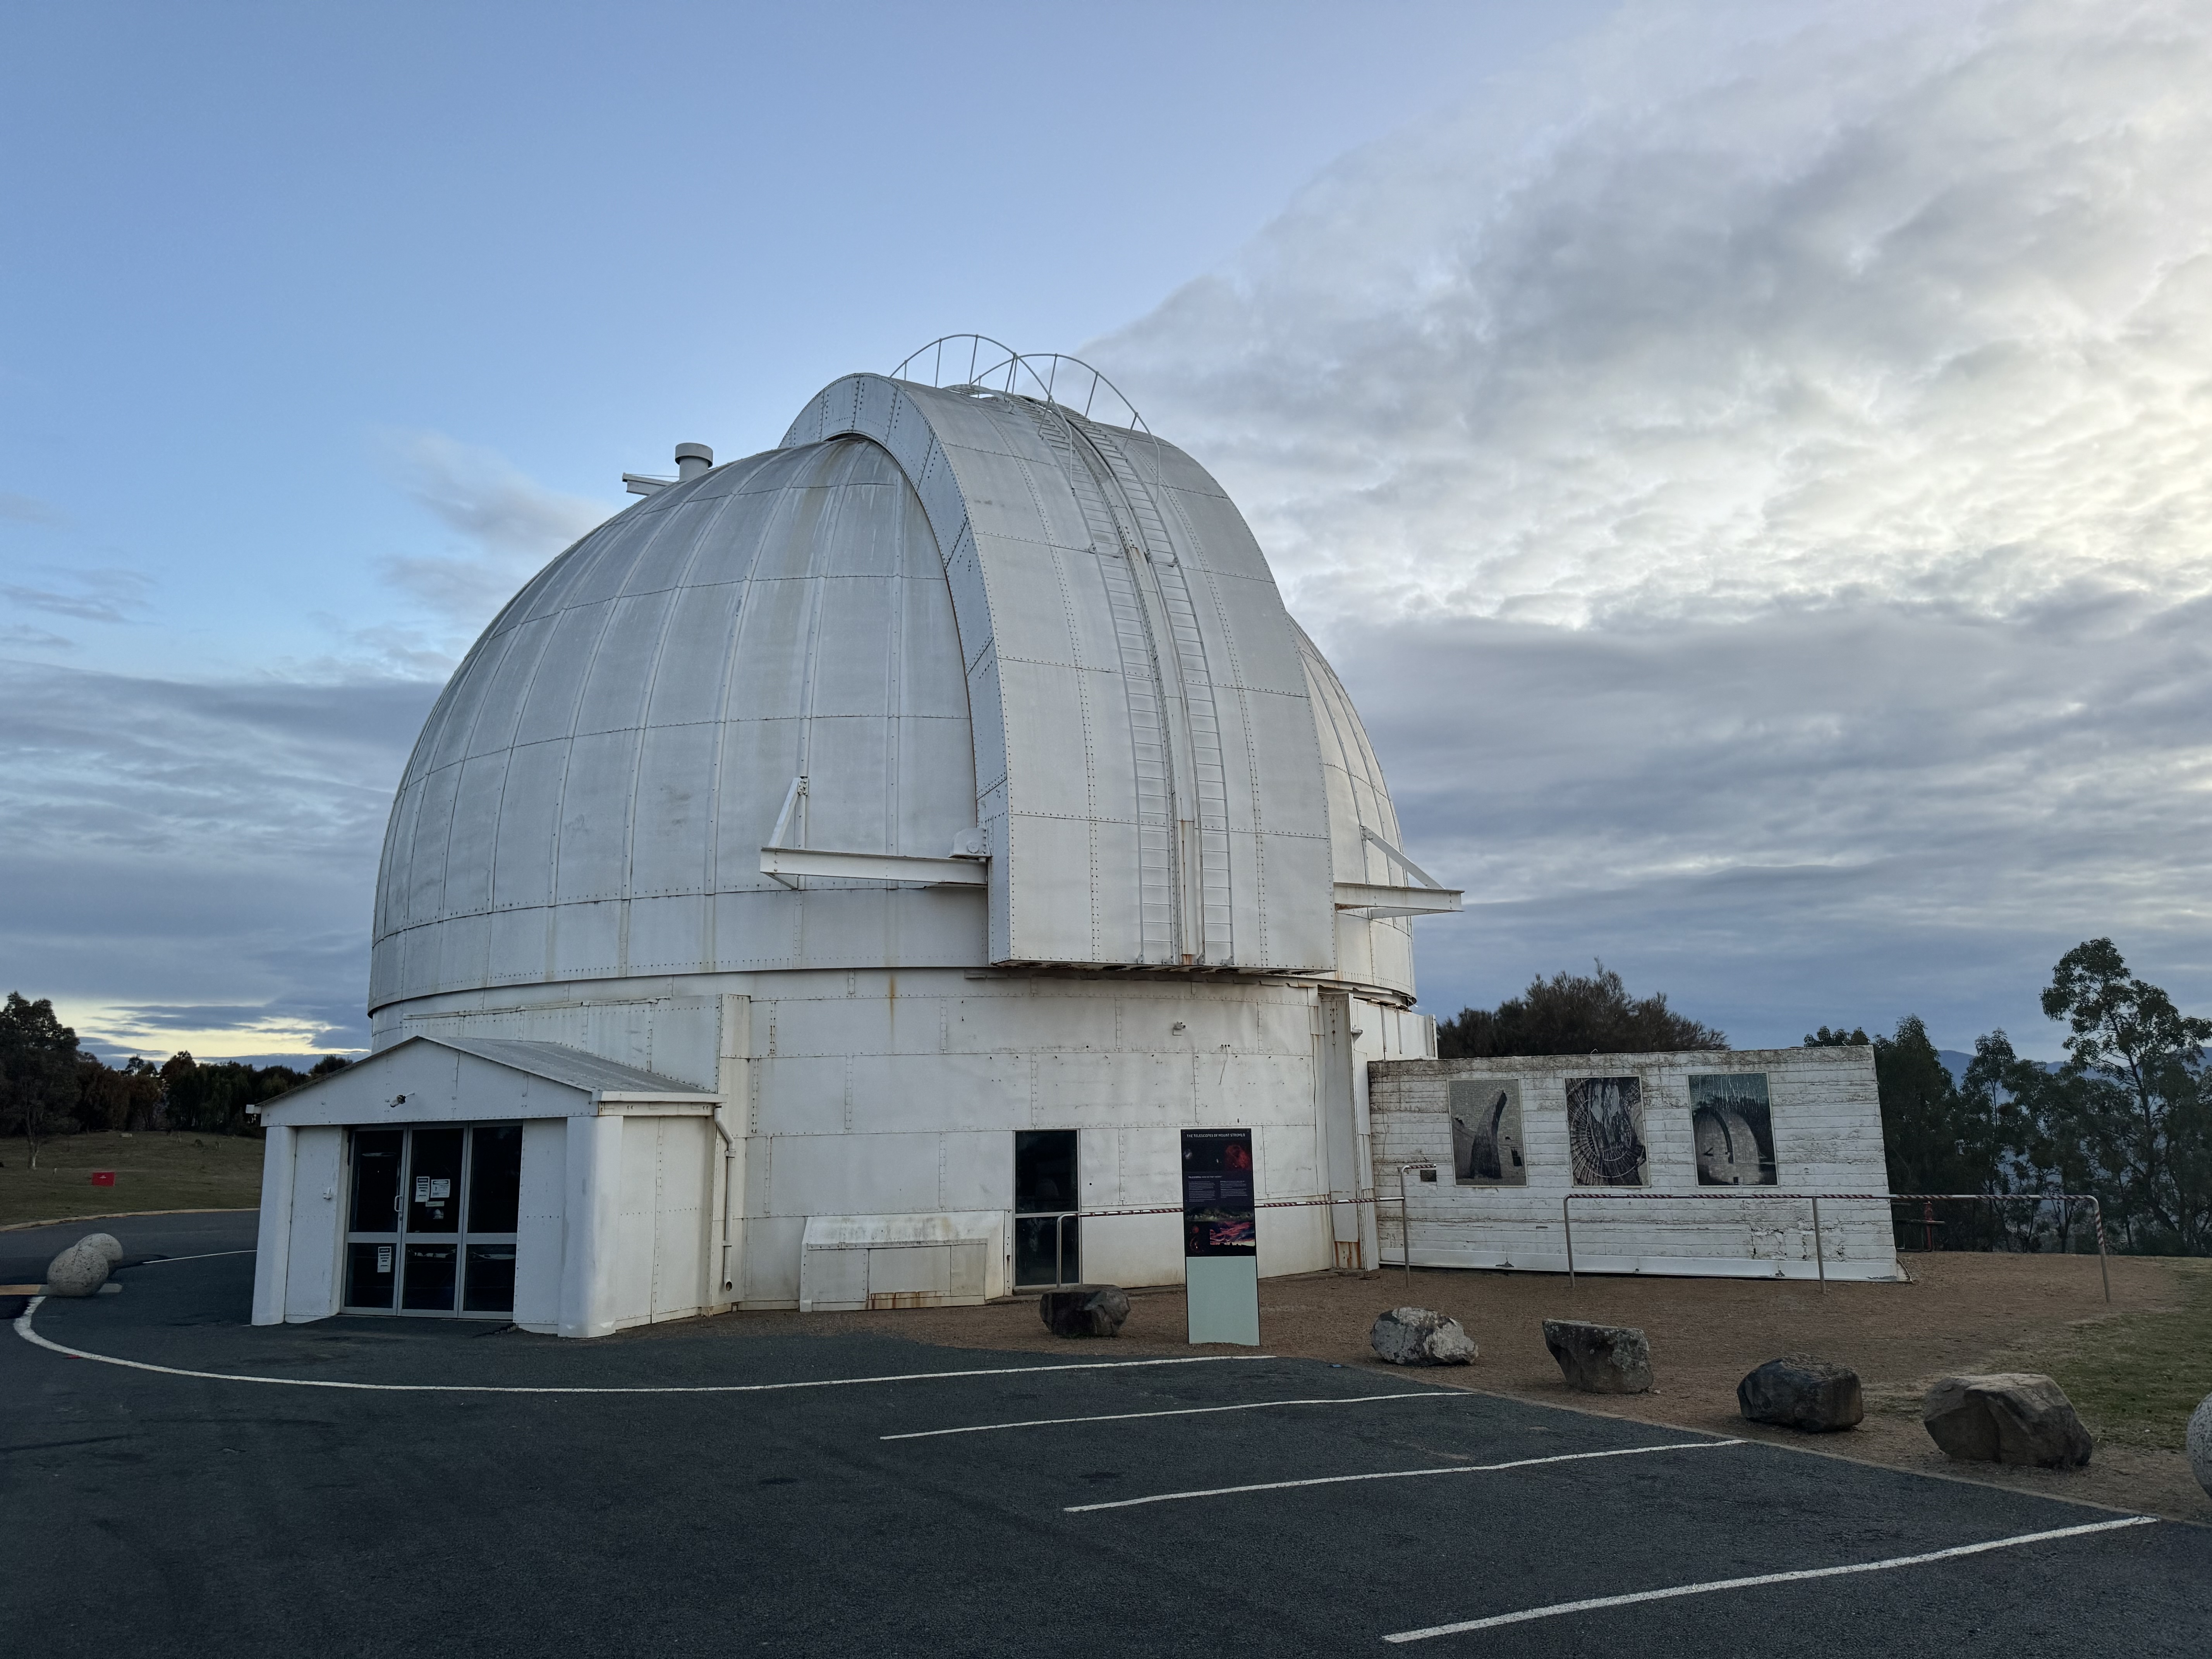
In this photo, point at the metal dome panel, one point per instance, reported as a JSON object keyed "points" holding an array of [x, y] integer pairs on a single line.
{"points": [[589, 796], [1140, 714], [1375, 950]]}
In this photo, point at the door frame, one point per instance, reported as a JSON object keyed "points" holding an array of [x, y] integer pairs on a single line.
{"points": [[400, 1239]]}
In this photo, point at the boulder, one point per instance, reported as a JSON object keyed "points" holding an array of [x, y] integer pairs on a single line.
{"points": [[1420, 1336], [106, 1243], [1084, 1310], [1600, 1358], [76, 1271], [2200, 1442], [1801, 1393], [2006, 1416]]}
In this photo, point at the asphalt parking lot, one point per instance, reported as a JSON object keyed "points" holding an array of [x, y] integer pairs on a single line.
{"points": [[724, 1487]]}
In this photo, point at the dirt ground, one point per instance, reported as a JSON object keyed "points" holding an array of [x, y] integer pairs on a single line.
{"points": [[1962, 1313], [153, 1172]]}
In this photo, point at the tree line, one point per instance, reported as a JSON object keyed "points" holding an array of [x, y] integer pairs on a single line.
{"points": [[2125, 1118], [50, 1085]]}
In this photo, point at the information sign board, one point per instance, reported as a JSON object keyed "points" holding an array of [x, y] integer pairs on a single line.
{"points": [[1220, 1237]]}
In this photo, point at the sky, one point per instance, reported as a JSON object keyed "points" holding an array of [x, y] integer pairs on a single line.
{"points": [[1751, 465]]}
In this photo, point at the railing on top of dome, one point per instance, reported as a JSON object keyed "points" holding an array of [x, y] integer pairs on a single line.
{"points": [[978, 363]]}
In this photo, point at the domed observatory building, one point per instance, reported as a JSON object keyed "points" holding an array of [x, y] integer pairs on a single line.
{"points": [[836, 871]]}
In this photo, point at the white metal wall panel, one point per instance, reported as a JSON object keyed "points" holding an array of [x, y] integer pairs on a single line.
{"points": [[529, 819], [464, 950], [598, 798], [548, 706], [472, 841], [537, 1228], [675, 795], [458, 717], [637, 1226], [318, 1204], [692, 672], [587, 939], [679, 1217], [621, 674]]}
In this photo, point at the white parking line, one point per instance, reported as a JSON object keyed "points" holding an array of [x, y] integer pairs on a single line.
{"points": [[1401, 1475], [24, 1330], [1559, 1608], [1186, 1410], [163, 1261]]}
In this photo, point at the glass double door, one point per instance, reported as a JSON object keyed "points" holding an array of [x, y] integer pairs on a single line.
{"points": [[432, 1222]]}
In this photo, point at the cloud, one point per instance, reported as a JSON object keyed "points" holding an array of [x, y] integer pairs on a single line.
{"points": [[1853, 811], [101, 595], [192, 865], [1902, 300], [1757, 475], [507, 525], [29, 509], [174, 846], [34, 639]]}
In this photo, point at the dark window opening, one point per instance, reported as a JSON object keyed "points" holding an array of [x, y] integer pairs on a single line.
{"points": [[1046, 1239]]}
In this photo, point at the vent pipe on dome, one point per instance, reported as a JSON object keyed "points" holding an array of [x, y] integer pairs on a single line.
{"points": [[692, 461]]}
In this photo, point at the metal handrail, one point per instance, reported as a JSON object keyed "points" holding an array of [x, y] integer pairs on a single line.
{"points": [[1005, 373], [1406, 1221], [1329, 1200], [1059, 1219], [1820, 1255]]}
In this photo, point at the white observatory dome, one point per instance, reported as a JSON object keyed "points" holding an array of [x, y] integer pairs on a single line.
{"points": [[948, 611], [898, 870], [843, 878]]}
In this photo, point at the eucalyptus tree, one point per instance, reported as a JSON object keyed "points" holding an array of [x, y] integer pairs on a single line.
{"points": [[37, 1069], [2132, 1103]]}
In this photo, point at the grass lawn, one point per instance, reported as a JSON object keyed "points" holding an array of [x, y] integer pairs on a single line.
{"points": [[153, 1171], [2136, 1379]]}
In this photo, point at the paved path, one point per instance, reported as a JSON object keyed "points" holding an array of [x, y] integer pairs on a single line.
{"points": [[1250, 1506]]}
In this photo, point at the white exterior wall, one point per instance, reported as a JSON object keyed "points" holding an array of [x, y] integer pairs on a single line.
{"points": [[879, 1094], [667, 1192], [539, 1220], [312, 1284], [303, 1203], [273, 1242], [1827, 1138], [899, 1095]]}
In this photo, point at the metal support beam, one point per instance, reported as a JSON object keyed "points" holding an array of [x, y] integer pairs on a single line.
{"points": [[786, 861], [1380, 901]]}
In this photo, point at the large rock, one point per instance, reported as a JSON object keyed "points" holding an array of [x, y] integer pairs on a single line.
{"points": [[2200, 1442], [106, 1243], [1801, 1393], [1084, 1310], [1600, 1358], [2006, 1416], [1420, 1336], [76, 1271]]}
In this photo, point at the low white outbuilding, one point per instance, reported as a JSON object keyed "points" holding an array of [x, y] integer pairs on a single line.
{"points": [[1742, 1162], [840, 866]]}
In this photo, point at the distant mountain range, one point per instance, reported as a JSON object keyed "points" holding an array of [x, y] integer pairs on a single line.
{"points": [[1956, 1062]]}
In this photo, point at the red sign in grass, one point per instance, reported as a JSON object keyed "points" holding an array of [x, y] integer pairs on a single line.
{"points": [[103, 1178]]}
